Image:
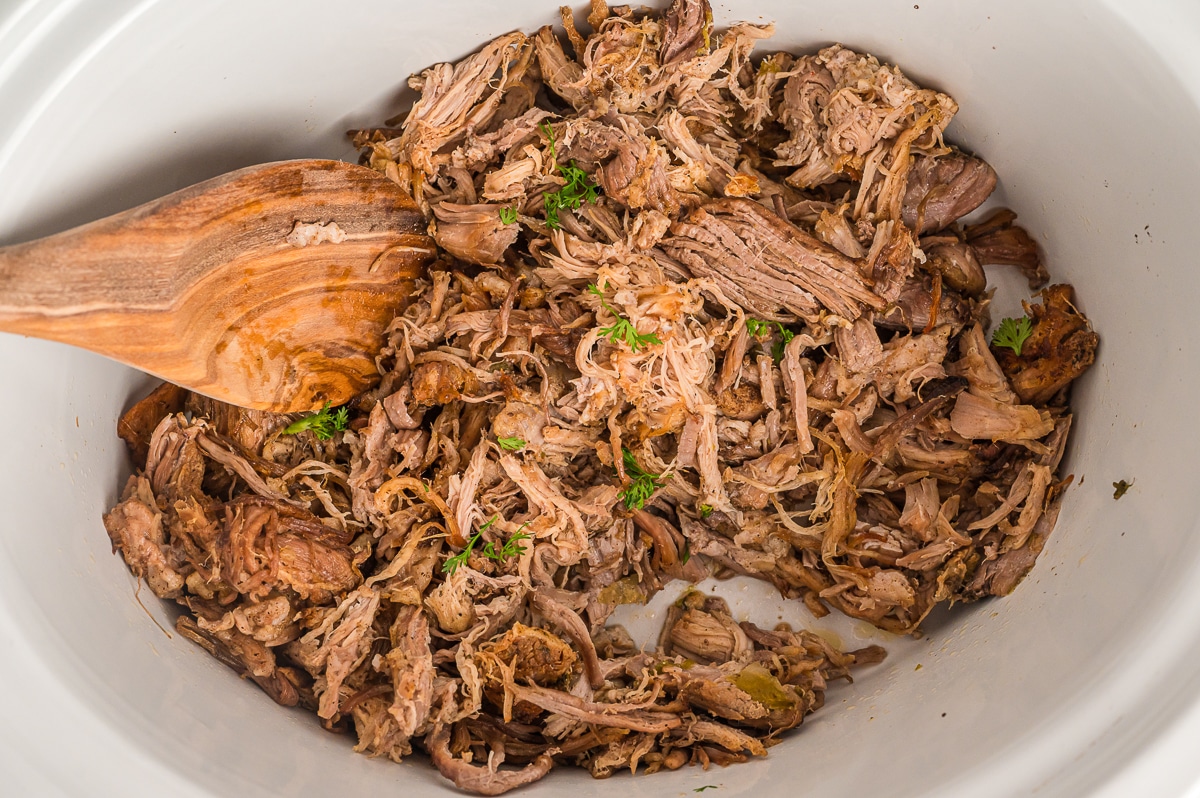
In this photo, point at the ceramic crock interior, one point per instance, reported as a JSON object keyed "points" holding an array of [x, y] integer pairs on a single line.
{"points": [[1094, 141]]}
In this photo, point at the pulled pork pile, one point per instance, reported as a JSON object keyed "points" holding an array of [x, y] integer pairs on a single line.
{"points": [[696, 313]]}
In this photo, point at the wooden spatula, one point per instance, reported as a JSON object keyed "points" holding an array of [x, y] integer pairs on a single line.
{"points": [[269, 287]]}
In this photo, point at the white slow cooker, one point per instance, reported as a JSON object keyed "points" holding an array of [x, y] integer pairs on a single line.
{"points": [[1086, 681]]}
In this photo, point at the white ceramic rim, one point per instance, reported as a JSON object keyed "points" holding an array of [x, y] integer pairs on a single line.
{"points": [[1158, 749]]}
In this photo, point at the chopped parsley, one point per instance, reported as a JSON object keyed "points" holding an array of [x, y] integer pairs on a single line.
{"points": [[578, 189], [1012, 333], [706, 510], [508, 214], [758, 328], [511, 444], [1120, 487], [323, 423], [641, 484], [511, 548], [705, 787], [623, 329]]}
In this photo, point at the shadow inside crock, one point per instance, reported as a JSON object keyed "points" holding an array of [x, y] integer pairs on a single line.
{"points": [[162, 173]]}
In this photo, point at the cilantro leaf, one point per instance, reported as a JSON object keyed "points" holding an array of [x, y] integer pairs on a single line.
{"points": [[758, 328], [641, 484], [508, 214], [623, 329], [451, 564], [323, 423], [511, 548], [511, 444], [578, 189], [1012, 333]]}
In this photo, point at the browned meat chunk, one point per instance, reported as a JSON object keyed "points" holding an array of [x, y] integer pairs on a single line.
{"points": [[686, 26], [136, 528], [267, 545], [922, 304], [996, 240], [955, 261], [562, 75], [249, 429], [767, 264], [437, 383], [945, 188], [1060, 347], [706, 632], [975, 417], [473, 233], [637, 176], [137, 424], [529, 654], [533, 654], [743, 402]]}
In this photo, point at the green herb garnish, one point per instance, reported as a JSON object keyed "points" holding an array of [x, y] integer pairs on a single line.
{"points": [[511, 444], [1012, 333], [508, 214], [1120, 487], [451, 564], [705, 787], [641, 484], [758, 328], [323, 423], [623, 329], [578, 189], [706, 510], [687, 552], [511, 548]]}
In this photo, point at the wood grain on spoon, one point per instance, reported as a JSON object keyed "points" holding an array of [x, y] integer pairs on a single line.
{"points": [[203, 287]]}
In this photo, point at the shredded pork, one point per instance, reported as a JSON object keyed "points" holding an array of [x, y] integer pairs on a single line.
{"points": [[758, 349]]}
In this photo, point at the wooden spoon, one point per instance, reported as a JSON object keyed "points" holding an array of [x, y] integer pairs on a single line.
{"points": [[269, 287]]}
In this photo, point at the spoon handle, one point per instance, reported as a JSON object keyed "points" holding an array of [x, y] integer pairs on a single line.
{"points": [[82, 285]]}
